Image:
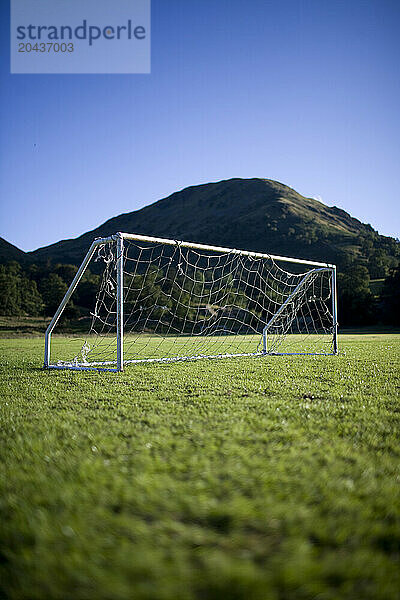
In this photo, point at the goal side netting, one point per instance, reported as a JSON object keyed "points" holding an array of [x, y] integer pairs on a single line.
{"points": [[165, 300]]}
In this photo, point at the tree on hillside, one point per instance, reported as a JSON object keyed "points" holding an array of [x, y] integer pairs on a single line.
{"points": [[356, 303], [31, 300], [53, 290], [9, 301], [66, 272], [86, 291], [390, 297], [378, 263], [19, 295]]}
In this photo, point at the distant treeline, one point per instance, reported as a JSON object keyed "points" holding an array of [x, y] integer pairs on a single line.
{"points": [[358, 306], [38, 290]]}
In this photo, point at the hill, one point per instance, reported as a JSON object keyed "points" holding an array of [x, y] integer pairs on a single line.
{"points": [[9, 252], [254, 214]]}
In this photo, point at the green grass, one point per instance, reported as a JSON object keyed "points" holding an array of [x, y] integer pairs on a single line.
{"points": [[22, 326], [148, 347], [260, 478]]}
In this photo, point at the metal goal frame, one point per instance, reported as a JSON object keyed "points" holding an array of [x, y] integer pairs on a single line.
{"points": [[118, 239]]}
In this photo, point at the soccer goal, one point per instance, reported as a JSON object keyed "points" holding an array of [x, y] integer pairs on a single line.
{"points": [[161, 300]]}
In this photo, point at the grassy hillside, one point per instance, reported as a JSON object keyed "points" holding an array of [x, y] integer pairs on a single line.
{"points": [[254, 214]]}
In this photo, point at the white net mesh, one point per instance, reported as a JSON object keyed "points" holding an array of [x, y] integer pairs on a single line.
{"points": [[182, 303]]}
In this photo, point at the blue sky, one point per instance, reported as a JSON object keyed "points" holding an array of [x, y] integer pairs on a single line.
{"points": [[304, 92]]}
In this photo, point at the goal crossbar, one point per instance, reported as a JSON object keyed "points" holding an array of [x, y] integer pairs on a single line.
{"points": [[119, 238], [143, 238]]}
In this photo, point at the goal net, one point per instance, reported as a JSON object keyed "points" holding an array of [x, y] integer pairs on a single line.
{"points": [[164, 300]]}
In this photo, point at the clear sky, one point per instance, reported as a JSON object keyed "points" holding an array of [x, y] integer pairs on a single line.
{"points": [[304, 92]]}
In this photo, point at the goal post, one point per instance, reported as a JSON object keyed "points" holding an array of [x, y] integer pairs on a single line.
{"points": [[291, 298], [162, 300]]}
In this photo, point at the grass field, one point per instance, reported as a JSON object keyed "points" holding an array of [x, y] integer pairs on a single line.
{"points": [[255, 478]]}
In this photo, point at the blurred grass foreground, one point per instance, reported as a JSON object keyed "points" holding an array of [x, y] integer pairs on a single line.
{"points": [[250, 478]]}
